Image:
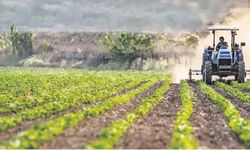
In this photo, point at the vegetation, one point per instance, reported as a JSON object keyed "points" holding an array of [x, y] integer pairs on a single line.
{"points": [[234, 91], [44, 47], [182, 135], [239, 125], [127, 47], [244, 87], [28, 104], [41, 106], [21, 42], [108, 137], [4, 41], [44, 131]]}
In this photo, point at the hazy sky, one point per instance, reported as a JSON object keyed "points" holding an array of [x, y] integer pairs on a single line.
{"points": [[102, 15]]}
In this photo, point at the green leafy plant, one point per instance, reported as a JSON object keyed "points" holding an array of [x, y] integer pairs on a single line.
{"points": [[234, 91], [45, 131], [182, 135], [238, 124], [245, 87], [83, 89], [109, 136]]}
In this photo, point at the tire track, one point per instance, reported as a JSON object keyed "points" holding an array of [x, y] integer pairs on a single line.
{"points": [[210, 126], [154, 130], [77, 137]]}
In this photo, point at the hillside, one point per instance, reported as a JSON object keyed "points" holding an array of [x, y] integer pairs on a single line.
{"points": [[126, 15]]}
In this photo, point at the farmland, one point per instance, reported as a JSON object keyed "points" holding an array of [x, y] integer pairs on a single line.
{"points": [[68, 108]]}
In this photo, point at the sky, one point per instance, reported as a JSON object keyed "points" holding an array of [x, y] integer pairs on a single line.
{"points": [[113, 15]]}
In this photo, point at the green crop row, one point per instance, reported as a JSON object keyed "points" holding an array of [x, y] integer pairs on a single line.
{"points": [[238, 124], [59, 96], [242, 86], [182, 134], [109, 136], [45, 131], [234, 91], [48, 109], [51, 91]]}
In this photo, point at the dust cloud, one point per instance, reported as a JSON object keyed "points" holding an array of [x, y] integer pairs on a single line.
{"points": [[241, 18], [237, 17]]}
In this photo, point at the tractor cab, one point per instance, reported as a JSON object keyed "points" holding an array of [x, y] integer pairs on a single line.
{"points": [[223, 60]]}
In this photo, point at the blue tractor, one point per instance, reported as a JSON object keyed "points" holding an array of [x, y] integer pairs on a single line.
{"points": [[223, 61]]}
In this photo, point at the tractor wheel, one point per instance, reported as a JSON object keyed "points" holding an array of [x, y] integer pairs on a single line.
{"points": [[207, 72], [241, 72]]}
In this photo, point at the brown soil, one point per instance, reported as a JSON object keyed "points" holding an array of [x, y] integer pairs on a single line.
{"points": [[210, 126], [87, 131], [154, 130], [27, 124], [243, 107]]}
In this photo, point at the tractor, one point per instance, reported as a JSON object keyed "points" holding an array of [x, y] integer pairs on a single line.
{"points": [[222, 61]]}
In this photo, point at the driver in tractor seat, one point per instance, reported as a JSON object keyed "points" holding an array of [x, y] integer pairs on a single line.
{"points": [[221, 44]]}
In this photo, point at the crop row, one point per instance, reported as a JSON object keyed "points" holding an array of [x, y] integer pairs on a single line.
{"points": [[234, 91], [109, 136], [54, 107], [182, 135], [244, 87], [45, 131], [53, 91], [238, 124]]}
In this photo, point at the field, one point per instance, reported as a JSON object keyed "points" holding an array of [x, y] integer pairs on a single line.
{"points": [[46, 108]]}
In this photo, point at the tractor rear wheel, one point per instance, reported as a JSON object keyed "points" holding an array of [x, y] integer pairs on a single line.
{"points": [[241, 72], [207, 72]]}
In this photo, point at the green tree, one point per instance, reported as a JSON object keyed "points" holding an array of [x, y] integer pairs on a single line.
{"points": [[21, 42], [127, 47]]}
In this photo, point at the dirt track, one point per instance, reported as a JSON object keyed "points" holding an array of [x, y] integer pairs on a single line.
{"points": [[154, 131], [210, 126]]}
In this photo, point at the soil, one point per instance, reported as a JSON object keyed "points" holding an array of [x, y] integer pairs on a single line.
{"points": [[210, 126], [241, 106], [5, 135], [154, 130], [77, 137]]}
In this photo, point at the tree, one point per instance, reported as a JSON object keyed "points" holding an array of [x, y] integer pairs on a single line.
{"points": [[127, 47], [21, 42]]}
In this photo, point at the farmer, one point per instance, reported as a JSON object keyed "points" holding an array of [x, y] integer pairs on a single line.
{"points": [[221, 44]]}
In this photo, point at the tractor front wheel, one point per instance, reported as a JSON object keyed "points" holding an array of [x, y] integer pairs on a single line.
{"points": [[241, 72], [207, 72]]}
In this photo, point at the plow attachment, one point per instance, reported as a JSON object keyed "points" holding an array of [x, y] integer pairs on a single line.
{"points": [[194, 73], [198, 73], [247, 72]]}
